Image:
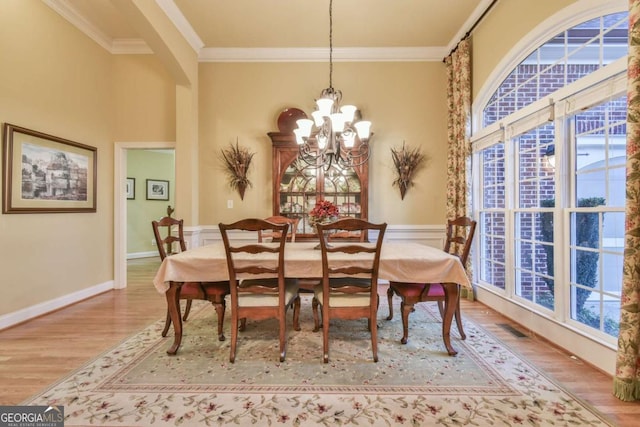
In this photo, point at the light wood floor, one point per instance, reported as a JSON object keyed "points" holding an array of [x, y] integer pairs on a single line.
{"points": [[39, 352]]}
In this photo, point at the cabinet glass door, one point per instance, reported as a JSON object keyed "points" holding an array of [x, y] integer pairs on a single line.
{"points": [[342, 187], [302, 185]]}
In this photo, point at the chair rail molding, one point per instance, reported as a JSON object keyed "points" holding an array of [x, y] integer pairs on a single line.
{"points": [[430, 235]]}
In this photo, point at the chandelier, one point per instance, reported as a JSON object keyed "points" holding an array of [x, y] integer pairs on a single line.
{"points": [[336, 135]]}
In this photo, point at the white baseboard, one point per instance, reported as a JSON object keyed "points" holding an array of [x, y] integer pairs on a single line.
{"points": [[600, 355], [28, 313]]}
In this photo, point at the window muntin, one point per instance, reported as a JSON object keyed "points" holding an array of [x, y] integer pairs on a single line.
{"points": [[493, 248], [534, 249], [493, 177], [535, 175], [563, 59]]}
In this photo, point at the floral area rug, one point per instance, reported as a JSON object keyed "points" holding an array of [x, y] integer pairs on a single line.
{"points": [[138, 384]]}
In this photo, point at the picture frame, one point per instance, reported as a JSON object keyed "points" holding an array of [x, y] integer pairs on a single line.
{"points": [[46, 174], [157, 189], [130, 188]]}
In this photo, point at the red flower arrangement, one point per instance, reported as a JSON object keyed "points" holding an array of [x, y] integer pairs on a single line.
{"points": [[324, 211]]}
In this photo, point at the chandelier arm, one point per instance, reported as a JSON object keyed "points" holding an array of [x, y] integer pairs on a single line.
{"points": [[327, 164], [307, 155], [359, 156]]}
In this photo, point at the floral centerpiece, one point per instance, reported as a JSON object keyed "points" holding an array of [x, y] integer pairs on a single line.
{"points": [[323, 212]]}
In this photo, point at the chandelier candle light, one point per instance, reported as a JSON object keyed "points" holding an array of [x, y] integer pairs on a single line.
{"points": [[336, 134]]}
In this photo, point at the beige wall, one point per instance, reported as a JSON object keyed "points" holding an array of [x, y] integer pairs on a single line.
{"points": [[145, 99], [405, 101], [55, 80], [143, 165]]}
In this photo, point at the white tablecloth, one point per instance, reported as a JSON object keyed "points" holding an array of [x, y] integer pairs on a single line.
{"points": [[400, 262]]}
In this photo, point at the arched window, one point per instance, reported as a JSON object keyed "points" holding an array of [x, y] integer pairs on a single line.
{"points": [[549, 158], [563, 59]]}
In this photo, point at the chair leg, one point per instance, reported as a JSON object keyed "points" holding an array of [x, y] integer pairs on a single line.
{"points": [[187, 310], [220, 308], [315, 307], [167, 324], [373, 327], [296, 313], [459, 322], [405, 309], [390, 298], [325, 333], [282, 333], [234, 336], [457, 316], [374, 339], [243, 324], [325, 341]]}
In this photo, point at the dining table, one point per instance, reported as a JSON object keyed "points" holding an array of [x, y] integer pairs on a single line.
{"points": [[399, 262]]}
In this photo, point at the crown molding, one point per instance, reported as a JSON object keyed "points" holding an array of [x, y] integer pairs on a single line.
{"points": [[181, 23], [117, 46], [347, 54], [68, 12], [130, 47]]}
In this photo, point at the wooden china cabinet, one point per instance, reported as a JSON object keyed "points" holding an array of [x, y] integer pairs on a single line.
{"points": [[297, 185]]}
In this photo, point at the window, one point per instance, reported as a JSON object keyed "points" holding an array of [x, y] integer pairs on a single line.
{"points": [[597, 214], [551, 165], [492, 218], [533, 237]]}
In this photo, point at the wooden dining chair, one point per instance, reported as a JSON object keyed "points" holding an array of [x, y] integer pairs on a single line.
{"points": [[460, 232], [345, 235], [309, 284], [349, 288], [214, 292], [258, 290], [274, 236]]}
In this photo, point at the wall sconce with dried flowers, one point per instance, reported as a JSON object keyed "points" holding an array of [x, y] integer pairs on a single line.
{"points": [[236, 161], [407, 162]]}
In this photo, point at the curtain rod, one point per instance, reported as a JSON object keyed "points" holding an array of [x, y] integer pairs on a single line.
{"points": [[473, 27]]}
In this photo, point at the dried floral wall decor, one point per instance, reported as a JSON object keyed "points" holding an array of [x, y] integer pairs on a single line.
{"points": [[236, 161], [407, 162]]}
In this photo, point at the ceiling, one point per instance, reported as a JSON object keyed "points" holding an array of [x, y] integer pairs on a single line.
{"points": [[392, 29]]}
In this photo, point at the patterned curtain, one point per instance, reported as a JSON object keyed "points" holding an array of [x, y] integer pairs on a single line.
{"points": [[627, 379], [458, 132], [458, 129]]}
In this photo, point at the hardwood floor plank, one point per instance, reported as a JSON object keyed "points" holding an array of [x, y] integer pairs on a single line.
{"points": [[39, 352]]}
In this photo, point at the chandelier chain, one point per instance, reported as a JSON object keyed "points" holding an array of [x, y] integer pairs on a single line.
{"points": [[331, 44]]}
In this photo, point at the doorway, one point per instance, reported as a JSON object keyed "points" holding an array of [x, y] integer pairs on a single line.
{"points": [[120, 202]]}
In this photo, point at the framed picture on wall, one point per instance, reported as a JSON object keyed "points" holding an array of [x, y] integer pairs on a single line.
{"points": [[130, 188], [46, 174], [157, 189]]}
